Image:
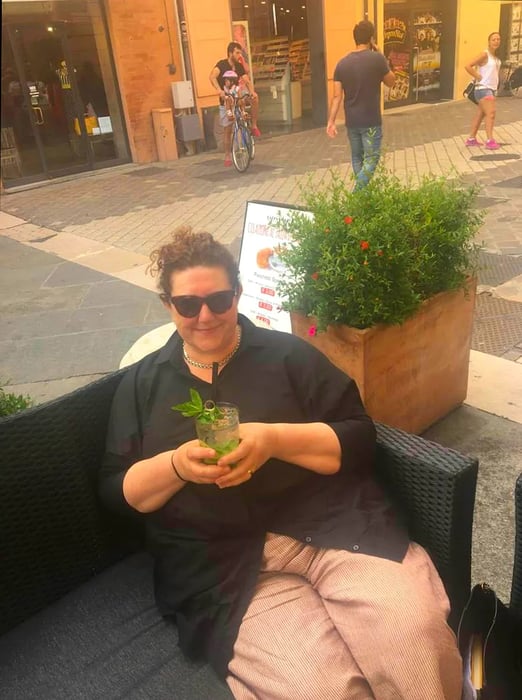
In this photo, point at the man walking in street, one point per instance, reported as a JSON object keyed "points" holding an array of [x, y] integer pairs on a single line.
{"points": [[233, 63], [359, 76]]}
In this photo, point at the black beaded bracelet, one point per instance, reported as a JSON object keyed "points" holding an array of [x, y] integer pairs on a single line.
{"points": [[174, 467]]}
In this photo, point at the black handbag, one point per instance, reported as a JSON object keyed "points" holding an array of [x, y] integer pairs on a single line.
{"points": [[469, 92], [490, 642]]}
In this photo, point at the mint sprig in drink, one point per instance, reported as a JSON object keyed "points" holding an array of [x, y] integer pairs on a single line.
{"points": [[217, 424]]}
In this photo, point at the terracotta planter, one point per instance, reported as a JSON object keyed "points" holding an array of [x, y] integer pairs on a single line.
{"points": [[410, 375]]}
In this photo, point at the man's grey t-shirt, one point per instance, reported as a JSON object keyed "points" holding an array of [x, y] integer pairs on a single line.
{"points": [[361, 74]]}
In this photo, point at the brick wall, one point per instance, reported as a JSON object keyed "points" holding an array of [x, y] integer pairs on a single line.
{"points": [[141, 54]]}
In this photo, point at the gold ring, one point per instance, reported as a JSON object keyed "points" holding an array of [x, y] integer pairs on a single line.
{"points": [[249, 472]]}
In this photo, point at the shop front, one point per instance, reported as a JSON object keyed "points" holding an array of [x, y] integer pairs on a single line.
{"points": [[81, 79], [283, 44], [418, 40], [511, 33], [61, 112]]}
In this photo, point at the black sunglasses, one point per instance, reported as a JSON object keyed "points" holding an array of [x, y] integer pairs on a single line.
{"points": [[189, 305]]}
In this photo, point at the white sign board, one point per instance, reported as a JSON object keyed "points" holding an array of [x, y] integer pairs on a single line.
{"points": [[260, 266], [105, 125]]}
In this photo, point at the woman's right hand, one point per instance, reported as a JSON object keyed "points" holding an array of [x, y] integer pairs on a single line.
{"points": [[188, 460], [151, 482]]}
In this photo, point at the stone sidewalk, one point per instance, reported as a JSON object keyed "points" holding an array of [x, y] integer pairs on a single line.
{"points": [[111, 220], [133, 207]]}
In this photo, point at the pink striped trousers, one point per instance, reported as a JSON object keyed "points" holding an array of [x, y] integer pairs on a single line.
{"points": [[328, 624]]}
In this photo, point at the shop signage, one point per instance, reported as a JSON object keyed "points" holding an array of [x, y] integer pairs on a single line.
{"points": [[260, 267], [241, 35]]}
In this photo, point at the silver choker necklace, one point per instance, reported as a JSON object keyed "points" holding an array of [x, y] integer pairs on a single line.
{"points": [[221, 363]]}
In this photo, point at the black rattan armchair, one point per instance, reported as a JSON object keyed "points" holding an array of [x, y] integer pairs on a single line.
{"points": [[516, 585], [76, 606]]}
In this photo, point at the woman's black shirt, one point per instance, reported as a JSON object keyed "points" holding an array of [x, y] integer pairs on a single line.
{"points": [[208, 542]]}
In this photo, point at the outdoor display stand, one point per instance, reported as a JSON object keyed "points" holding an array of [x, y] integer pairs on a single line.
{"points": [[271, 72], [260, 267], [301, 85]]}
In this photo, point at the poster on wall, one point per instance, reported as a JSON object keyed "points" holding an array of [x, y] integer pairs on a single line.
{"points": [[240, 34], [260, 267], [426, 58], [397, 49]]}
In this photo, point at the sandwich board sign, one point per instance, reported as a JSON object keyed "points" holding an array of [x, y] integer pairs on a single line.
{"points": [[260, 267]]}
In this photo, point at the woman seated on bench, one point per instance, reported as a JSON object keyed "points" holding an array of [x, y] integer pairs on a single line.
{"points": [[283, 565]]}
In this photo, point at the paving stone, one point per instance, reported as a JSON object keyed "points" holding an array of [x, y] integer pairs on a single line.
{"points": [[16, 257], [497, 326], [496, 269], [27, 278], [58, 357], [27, 301], [512, 355], [114, 293], [68, 274], [24, 326]]}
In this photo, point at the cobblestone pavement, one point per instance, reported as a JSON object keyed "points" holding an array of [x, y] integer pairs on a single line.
{"points": [[128, 210]]}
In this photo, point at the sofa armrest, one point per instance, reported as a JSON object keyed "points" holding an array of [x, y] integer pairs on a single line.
{"points": [[516, 584], [434, 488], [54, 533]]}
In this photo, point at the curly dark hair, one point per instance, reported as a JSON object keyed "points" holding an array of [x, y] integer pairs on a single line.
{"points": [[189, 249]]}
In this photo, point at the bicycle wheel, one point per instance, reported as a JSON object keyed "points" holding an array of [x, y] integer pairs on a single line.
{"points": [[241, 143]]}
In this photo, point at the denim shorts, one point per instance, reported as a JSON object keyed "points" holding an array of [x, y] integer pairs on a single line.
{"points": [[481, 92]]}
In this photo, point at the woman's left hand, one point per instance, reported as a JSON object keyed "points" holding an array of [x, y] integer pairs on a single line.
{"points": [[250, 455]]}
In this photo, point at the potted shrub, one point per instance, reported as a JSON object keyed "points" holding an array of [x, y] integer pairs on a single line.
{"points": [[382, 281]]}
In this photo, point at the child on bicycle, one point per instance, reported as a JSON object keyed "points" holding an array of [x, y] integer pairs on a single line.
{"points": [[231, 90]]}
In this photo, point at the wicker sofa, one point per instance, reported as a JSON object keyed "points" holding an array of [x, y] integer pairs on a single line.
{"points": [[516, 585], [77, 617]]}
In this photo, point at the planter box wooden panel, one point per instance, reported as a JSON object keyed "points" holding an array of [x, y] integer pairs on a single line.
{"points": [[411, 375]]}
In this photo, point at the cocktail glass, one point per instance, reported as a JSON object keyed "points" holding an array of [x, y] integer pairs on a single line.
{"points": [[222, 434]]}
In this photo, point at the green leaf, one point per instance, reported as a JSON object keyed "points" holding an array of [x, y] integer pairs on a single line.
{"points": [[196, 399], [196, 408]]}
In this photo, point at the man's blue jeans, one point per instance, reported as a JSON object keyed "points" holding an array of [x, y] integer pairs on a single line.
{"points": [[365, 145]]}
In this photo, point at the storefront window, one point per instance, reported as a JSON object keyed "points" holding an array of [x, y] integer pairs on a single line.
{"points": [[60, 105], [412, 44], [511, 32], [274, 36]]}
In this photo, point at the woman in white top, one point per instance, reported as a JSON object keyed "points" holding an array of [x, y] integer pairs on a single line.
{"points": [[485, 68]]}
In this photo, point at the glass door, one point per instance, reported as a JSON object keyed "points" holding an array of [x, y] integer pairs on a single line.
{"points": [[43, 118], [397, 46], [426, 34], [412, 44]]}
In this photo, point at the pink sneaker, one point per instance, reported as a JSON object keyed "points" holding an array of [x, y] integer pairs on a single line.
{"points": [[492, 145], [256, 132], [228, 162], [472, 142]]}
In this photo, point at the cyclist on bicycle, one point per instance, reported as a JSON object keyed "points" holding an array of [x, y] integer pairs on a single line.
{"points": [[232, 62]]}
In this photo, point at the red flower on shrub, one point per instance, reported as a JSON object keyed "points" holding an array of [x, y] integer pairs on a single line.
{"points": [[348, 219], [364, 245], [315, 275], [312, 331]]}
